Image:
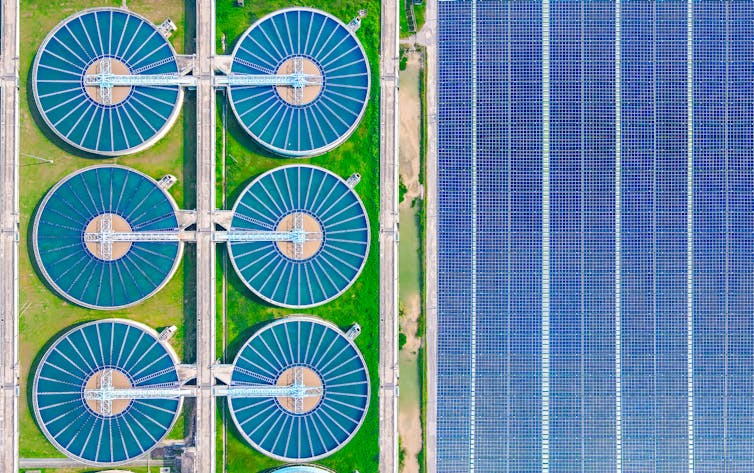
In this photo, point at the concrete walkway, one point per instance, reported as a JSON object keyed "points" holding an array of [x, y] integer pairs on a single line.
{"points": [[427, 37], [204, 460], [9, 368], [388, 369]]}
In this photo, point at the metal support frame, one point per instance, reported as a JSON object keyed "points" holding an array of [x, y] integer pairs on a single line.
{"points": [[297, 235], [105, 228], [105, 236], [106, 393], [297, 80], [106, 80], [109, 236], [298, 391], [105, 70], [298, 225]]}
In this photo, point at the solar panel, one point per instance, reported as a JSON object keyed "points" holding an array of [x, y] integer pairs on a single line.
{"points": [[594, 236]]}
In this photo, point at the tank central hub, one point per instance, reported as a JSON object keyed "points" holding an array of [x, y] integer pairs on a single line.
{"points": [[99, 89], [306, 236], [305, 82], [98, 244], [103, 380], [308, 381]]}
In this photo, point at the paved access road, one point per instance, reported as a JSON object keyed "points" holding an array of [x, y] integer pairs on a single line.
{"points": [[388, 369], [204, 460], [9, 371]]}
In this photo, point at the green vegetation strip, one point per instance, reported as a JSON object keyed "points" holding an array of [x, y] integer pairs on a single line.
{"points": [[421, 216], [404, 6], [43, 314], [244, 160]]}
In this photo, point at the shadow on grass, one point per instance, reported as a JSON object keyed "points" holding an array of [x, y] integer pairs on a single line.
{"points": [[189, 37], [189, 202], [234, 128], [236, 193], [189, 305], [239, 134], [235, 345], [223, 407], [240, 287]]}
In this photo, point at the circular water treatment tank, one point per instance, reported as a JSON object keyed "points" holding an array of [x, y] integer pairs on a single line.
{"points": [[305, 117], [335, 236], [86, 270], [301, 469], [105, 121], [120, 353], [317, 355]]}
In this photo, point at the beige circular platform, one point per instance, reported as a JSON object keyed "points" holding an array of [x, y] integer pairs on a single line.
{"points": [[310, 246], [119, 93], [120, 381], [310, 92], [310, 379], [119, 248]]}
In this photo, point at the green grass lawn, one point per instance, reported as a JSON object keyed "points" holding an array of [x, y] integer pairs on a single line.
{"points": [[244, 161], [43, 314], [403, 18], [403, 6]]}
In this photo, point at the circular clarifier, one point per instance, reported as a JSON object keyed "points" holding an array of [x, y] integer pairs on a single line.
{"points": [[113, 353], [74, 90], [327, 89]]}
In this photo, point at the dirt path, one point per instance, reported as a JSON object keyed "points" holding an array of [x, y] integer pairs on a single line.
{"points": [[410, 129], [409, 415]]}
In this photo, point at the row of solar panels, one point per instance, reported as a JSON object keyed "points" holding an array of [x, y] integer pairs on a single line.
{"points": [[644, 363]]}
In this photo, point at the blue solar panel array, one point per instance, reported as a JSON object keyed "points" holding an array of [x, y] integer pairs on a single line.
{"points": [[723, 238], [648, 159], [582, 181], [454, 237]]}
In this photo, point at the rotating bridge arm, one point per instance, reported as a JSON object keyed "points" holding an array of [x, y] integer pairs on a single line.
{"points": [[105, 80], [106, 392]]}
